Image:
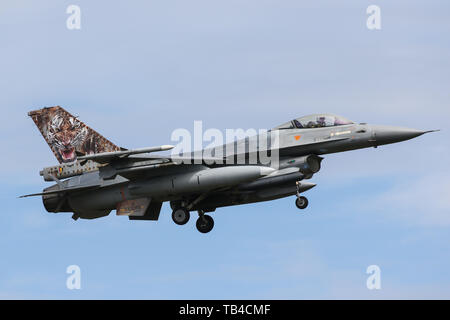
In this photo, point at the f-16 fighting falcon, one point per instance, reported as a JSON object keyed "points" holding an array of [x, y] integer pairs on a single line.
{"points": [[94, 176]]}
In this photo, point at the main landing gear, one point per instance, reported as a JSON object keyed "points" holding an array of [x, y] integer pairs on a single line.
{"points": [[301, 202], [204, 224], [181, 216]]}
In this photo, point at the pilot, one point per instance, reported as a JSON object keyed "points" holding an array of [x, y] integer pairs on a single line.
{"points": [[311, 124], [321, 122]]}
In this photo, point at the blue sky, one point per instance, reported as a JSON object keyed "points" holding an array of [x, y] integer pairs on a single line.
{"points": [[137, 70]]}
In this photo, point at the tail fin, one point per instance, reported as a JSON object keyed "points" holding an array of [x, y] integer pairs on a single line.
{"points": [[67, 136]]}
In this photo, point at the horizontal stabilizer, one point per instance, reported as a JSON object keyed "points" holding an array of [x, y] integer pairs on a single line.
{"points": [[55, 191]]}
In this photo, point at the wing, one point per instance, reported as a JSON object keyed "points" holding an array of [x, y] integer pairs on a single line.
{"points": [[107, 157]]}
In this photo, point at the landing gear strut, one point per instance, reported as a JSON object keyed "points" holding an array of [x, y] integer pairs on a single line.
{"points": [[301, 202], [204, 222]]}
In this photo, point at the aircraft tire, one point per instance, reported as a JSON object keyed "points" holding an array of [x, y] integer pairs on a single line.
{"points": [[180, 216], [205, 223], [301, 202]]}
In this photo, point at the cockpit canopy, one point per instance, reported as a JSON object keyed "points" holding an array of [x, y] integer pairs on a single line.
{"points": [[315, 121]]}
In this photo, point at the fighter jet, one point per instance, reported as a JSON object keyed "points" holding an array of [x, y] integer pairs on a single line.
{"points": [[95, 176]]}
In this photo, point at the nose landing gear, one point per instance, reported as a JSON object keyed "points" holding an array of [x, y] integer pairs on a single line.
{"points": [[301, 202]]}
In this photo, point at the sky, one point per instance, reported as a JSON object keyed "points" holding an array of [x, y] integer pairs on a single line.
{"points": [[137, 70]]}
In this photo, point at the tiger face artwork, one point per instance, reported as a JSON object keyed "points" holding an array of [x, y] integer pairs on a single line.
{"points": [[67, 136]]}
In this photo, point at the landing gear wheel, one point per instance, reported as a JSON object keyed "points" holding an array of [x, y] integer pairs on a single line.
{"points": [[180, 216], [301, 202], [205, 223]]}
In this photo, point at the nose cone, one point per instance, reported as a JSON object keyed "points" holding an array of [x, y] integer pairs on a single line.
{"points": [[390, 134]]}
